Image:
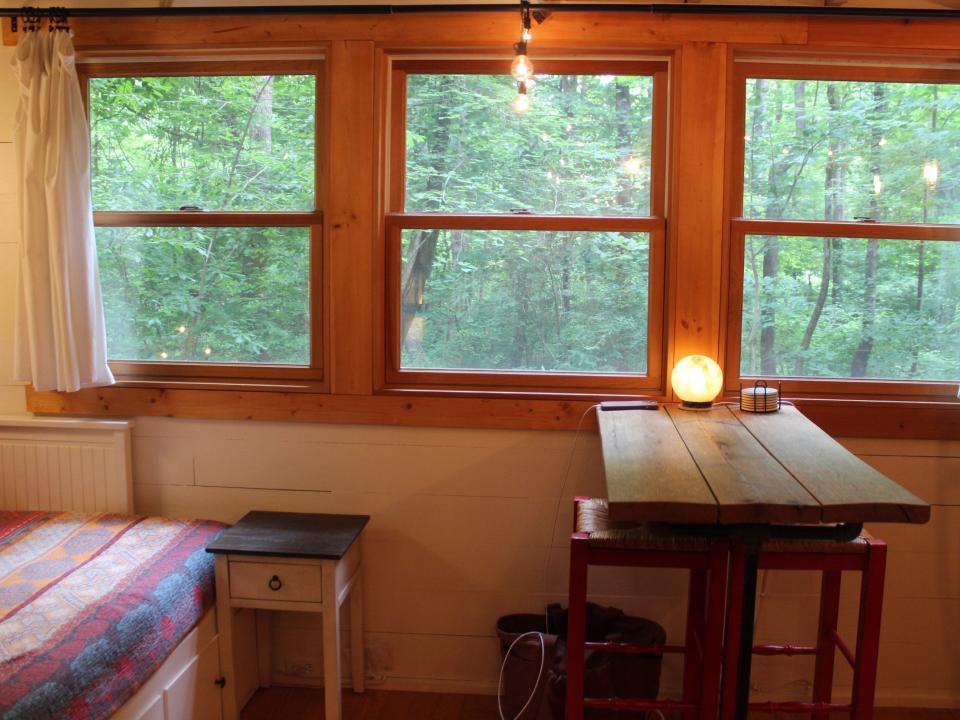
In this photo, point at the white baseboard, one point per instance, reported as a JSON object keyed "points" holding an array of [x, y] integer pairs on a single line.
{"points": [[914, 698], [466, 687], [884, 698], [393, 682]]}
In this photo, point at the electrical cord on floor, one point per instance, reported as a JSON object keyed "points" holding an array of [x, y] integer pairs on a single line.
{"points": [[503, 665]]}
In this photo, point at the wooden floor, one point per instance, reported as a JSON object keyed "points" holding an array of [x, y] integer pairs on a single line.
{"points": [[296, 703]]}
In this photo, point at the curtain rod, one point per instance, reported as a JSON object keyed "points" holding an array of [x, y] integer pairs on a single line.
{"points": [[692, 8]]}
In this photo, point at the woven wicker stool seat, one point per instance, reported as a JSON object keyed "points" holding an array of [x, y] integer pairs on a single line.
{"points": [[859, 544], [593, 518], [597, 540]]}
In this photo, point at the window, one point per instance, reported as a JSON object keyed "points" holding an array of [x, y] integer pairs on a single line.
{"points": [[526, 250], [204, 191], [847, 231]]}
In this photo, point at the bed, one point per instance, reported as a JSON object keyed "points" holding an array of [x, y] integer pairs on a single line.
{"points": [[93, 605]]}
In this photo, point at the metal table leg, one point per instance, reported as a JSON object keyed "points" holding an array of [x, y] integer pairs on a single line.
{"points": [[751, 550]]}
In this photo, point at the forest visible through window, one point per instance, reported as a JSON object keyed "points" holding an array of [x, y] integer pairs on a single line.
{"points": [[205, 143], [877, 152], [538, 300]]}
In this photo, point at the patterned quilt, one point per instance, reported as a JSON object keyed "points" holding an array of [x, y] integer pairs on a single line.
{"points": [[91, 605]]}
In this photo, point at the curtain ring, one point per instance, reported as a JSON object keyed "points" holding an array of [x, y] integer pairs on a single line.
{"points": [[31, 19], [58, 19]]}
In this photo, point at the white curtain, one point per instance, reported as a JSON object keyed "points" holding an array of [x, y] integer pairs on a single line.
{"points": [[60, 337]]}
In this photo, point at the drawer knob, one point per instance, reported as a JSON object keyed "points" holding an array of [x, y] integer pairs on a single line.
{"points": [[275, 583]]}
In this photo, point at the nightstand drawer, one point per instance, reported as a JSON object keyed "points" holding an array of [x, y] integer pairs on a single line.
{"points": [[276, 581]]}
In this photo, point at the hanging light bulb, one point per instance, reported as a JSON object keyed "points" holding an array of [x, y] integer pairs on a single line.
{"points": [[931, 172], [521, 103], [877, 184], [521, 68]]}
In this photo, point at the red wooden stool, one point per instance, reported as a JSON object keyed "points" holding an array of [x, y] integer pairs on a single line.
{"points": [[597, 541], [865, 555]]}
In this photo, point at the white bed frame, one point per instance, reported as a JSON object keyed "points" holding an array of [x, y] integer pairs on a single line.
{"points": [[184, 686], [84, 465]]}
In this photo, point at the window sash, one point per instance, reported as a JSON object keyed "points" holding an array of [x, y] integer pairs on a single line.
{"points": [[395, 377], [819, 387], [192, 374], [854, 70], [848, 69]]}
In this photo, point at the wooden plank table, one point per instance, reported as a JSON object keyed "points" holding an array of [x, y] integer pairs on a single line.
{"points": [[745, 474]]}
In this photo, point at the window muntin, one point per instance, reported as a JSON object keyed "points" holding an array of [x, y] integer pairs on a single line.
{"points": [[584, 148], [206, 294], [847, 343], [208, 231], [213, 142], [535, 301], [622, 204], [849, 308], [833, 149]]}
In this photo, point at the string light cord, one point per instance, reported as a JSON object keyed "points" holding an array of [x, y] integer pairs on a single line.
{"points": [[563, 483]]}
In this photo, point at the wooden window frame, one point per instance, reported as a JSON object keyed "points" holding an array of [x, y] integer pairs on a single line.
{"points": [[212, 374], [396, 220], [802, 68]]}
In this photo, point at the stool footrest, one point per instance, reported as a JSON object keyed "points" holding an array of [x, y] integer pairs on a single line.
{"points": [[626, 648], [784, 650], [637, 704], [800, 707]]}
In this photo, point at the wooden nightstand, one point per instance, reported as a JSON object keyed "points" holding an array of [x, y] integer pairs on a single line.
{"points": [[306, 562]]}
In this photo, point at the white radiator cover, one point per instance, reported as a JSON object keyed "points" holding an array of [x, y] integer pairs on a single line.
{"points": [[68, 464]]}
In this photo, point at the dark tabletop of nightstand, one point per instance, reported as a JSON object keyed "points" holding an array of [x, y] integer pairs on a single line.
{"points": [[304, 535]]}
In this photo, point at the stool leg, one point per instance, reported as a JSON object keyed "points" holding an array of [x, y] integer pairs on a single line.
{"points": [[713, 632], [693, 655], [826, 642], [728, 693], [577, 624], [868, 631]]}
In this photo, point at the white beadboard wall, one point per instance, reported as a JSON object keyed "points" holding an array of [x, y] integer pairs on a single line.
{"points": [[470, 524]]}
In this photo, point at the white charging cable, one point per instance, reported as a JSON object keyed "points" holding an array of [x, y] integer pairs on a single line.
{"points": [[533, 693], [503, 665]]}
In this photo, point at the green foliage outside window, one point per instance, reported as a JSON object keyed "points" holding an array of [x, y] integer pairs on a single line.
{"points": [[225, 142], [206, 294], [892, 338], [220, 143], [535, 301], [835, 307]]}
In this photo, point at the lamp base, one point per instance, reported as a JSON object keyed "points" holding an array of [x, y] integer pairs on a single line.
{"points": [[689, 405]]}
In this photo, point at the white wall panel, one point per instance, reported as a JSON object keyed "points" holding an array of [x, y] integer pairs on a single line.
{"points": [[468, 525], [12, 399], [9, 259], [9, 93]]}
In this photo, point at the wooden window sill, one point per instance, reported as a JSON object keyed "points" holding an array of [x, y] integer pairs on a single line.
{"points": [[838, 417]]}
